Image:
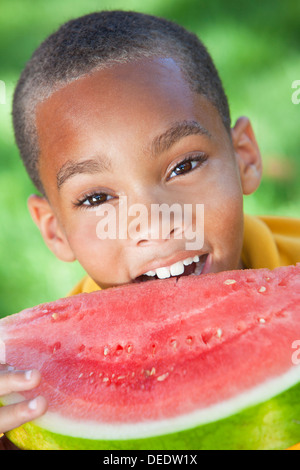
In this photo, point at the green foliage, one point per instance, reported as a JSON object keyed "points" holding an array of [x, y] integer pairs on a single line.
{"points": [[255, 46]]}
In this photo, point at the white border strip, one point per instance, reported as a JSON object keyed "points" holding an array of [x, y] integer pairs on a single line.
{"points": [[122, 431]]}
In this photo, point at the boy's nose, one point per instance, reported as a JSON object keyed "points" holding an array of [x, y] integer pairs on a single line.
{"points": [[154, 222], [156, 235]]}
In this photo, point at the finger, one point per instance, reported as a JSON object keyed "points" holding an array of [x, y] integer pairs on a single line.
{"points": [[13, 416], [17, 380]]}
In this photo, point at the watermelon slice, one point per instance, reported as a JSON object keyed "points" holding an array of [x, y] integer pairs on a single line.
{"points": [[197, 362]]}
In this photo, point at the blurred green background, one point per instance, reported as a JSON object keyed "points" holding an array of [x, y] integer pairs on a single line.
{"points": [[255, 46]]}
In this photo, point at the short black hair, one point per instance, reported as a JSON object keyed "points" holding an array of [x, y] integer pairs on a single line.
{"points": [[99, 40]]}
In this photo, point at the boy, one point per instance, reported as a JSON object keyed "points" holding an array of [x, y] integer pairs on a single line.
{"points": [[123, 105]]}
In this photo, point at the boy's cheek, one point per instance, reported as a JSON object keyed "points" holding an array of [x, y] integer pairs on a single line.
{"points": [[99, 258], [223, 228]]}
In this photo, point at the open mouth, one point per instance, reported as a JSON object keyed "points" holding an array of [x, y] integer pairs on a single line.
{"points": [[189, 266]]}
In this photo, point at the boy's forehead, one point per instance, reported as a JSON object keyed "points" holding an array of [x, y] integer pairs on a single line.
{"points": [[126, 104], [157, 80]]}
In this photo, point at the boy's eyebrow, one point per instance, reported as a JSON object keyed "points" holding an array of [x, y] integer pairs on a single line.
{"points": [[72, 168], [176, 132], [160, 144]]}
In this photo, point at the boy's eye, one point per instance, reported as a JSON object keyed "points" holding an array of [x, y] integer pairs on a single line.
{"points": [[187, 165], [93, 200]]}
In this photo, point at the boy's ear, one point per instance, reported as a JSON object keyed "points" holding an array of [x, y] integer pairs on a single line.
{"points": [[44, 217], [248, 155]]}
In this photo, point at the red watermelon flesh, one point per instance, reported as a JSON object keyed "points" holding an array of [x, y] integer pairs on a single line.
{"points": [[160, 349]]}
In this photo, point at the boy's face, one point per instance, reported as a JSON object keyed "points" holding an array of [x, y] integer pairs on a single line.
{"points": [[137, 130]]}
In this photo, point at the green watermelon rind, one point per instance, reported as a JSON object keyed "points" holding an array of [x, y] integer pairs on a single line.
{"points": [[271, 425]]}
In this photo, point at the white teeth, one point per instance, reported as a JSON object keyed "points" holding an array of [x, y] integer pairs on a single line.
{"points": [[162, 273], [177, 268]]}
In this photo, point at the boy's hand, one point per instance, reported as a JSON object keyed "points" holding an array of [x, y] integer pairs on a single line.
{"points": [[12, 416]]}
